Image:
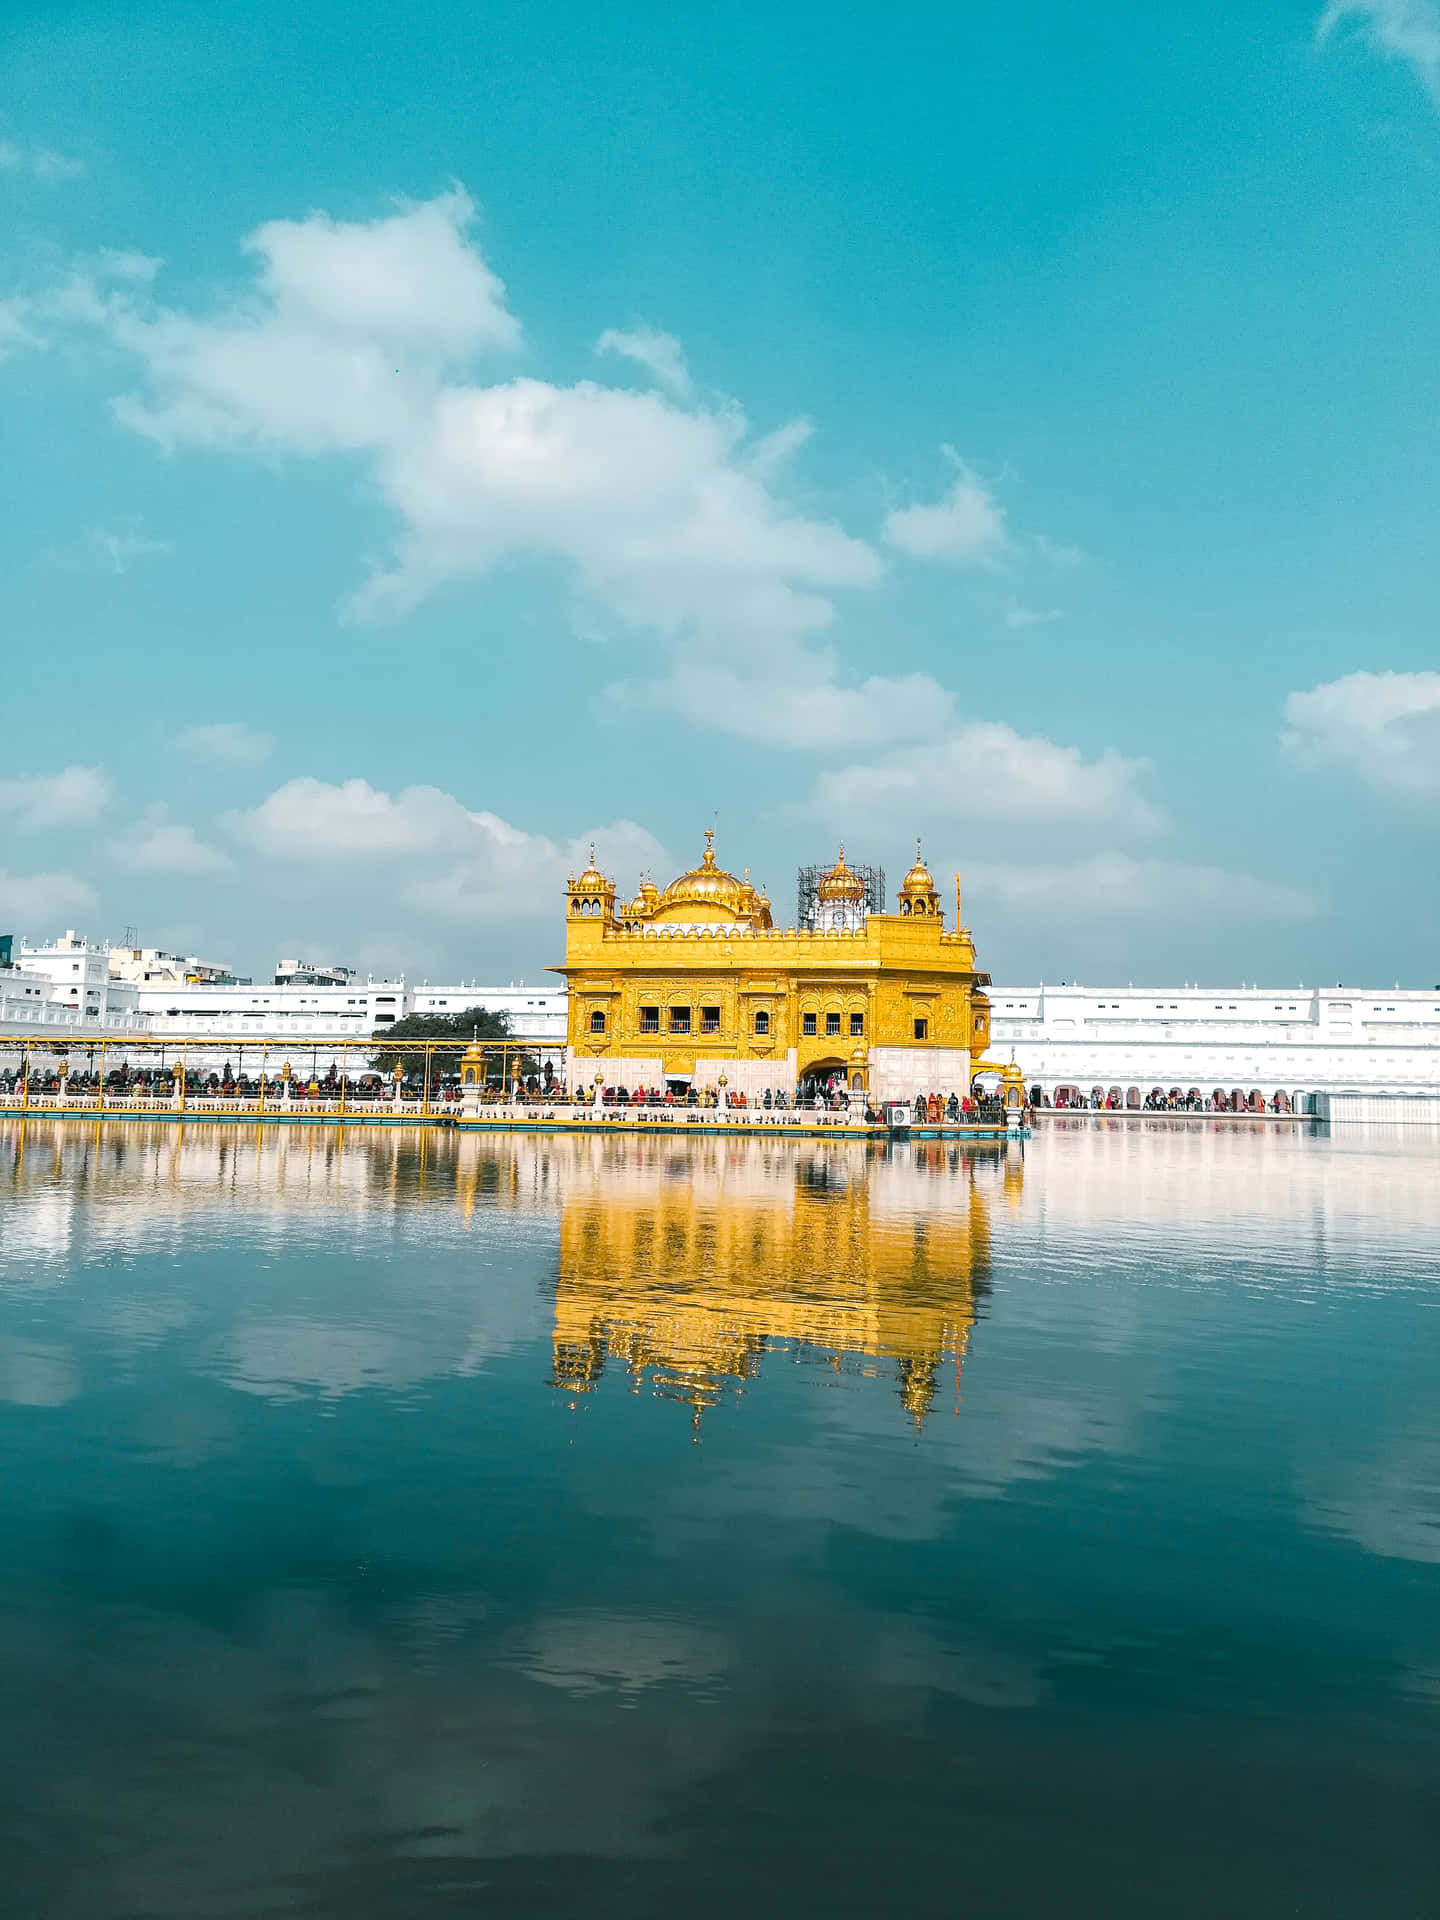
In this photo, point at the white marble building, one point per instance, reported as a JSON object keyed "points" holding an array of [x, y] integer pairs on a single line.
{"points": [[1327, 1038]]}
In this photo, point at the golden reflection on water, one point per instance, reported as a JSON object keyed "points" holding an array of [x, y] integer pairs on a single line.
{"points": [[685, 1266], [681, 1263]]}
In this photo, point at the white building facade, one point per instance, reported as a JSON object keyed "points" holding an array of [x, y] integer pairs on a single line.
{"points": [[78, 979], [1335, 1039]]}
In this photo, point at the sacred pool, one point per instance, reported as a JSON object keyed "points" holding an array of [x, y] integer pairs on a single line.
{"points": [[413, 1522]]}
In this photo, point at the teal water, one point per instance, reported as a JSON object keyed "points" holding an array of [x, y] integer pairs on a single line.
{"points": [[401, 1526]]}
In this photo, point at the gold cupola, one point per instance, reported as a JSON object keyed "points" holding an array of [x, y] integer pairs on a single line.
{"points": [[706, 892], [593, 892], [917, 889], [645, 901], [840, 886]]}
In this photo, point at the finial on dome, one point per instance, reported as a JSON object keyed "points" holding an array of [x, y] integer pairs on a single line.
{"points": [[709, 859]]}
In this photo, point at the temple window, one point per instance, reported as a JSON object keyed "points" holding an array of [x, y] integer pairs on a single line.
{"points": [[597, 1021], [574, 906], [709, 1019], [649, 1019], [832, 1026], [762, 1023], [922, 1029], [679, 1019], [808, 1024], [857, 1026]]}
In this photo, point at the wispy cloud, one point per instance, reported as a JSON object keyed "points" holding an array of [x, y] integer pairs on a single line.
{"points": [[1407, 30], [967, 524], [112, 550], [74, 797], [156, 844], [448, 862], [34, 902], [1115, 884], [226, 743], [40, 163], [1384, 728], [659, 353], [1017, 618]]}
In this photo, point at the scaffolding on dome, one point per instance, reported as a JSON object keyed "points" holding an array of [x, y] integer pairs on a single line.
{"points": [[808, 887]]}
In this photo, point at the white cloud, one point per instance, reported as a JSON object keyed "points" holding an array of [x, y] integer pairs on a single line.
{"points": [[107, 550], [122, 550], [33, 802], [351, 339], [41, 163], [342, 343], [438, 855], [660, 354], [984, 769], [31, 901], [158, 846], [1114, 885], [967, 524], [1017, 618], [225, 743], [1382, 727], [791, 701], [1407, 30], [651, 504], [17, 325]]}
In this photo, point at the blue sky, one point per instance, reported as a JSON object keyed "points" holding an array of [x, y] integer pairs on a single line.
{"points": [[436, 438]]}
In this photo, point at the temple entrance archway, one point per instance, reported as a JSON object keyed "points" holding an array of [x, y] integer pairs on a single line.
{"points": [[820, 1074]]}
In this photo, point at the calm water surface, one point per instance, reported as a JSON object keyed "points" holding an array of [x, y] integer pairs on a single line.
{"points": [[418, 1526]]}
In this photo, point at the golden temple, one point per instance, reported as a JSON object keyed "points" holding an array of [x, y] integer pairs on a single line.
{"points": [[695, 986]]}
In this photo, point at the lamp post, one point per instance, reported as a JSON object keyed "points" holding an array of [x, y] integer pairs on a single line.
{"points": [[599, 1084], [723, 1083]]}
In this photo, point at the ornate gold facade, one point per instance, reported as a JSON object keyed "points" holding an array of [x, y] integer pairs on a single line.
{"points": [[696, 985]]}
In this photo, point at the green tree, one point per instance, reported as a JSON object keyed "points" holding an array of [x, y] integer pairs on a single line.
{"points": [[473, 1023]]}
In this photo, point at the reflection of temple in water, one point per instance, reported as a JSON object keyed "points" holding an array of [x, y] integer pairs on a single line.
{"points": [[687, 1267]]}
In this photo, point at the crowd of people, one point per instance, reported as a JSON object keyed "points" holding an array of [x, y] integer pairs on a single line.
{"points": [[333, 1087], [1159, 1100]]}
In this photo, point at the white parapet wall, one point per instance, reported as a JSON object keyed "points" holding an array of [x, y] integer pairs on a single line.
{"points": [[1391, 1109], [899, 1073]]}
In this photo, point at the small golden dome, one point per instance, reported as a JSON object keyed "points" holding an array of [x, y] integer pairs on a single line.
{"points": [[645, 901], [592, 880], [840, 886], [919, 880]]}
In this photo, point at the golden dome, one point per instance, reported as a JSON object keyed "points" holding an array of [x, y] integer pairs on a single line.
{"points": [[841, 886], [919, 880], [645, 901], [592, 880], [707, 886]]}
